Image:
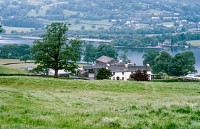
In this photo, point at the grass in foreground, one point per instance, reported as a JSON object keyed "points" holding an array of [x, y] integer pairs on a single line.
{"points": [[54, 103]]}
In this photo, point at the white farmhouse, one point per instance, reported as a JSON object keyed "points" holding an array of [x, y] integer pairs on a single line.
{"points": [[120, 71]]}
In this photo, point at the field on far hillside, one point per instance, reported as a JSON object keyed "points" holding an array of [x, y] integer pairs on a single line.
{"points": [[17, 64], [194, 42], [6, 70], [32, 102], [9, 29]]}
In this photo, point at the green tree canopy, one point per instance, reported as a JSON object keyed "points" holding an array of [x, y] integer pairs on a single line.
{"points": [[9, 51], [106, 50], [14, 51], [89, 53], [182, 64], [54, 52], [103, 73], [162, 62], [149, 57], [25, 58], [23, 49], [179, 65]]}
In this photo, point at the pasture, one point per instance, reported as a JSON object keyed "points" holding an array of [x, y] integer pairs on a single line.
{"points": [[17, 64]]}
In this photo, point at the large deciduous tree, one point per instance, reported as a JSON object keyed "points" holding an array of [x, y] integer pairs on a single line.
{"points": [[54, 52]]}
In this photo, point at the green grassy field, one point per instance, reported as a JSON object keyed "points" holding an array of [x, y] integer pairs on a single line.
{"points": [[194, 43], [16, 64], [6, 70], [27, 102]]}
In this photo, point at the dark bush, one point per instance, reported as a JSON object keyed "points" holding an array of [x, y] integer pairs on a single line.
{"points": [[140, 76], [103, 73]]}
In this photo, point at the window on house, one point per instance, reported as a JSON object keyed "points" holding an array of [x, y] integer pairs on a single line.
{"points": [[113, 73], [122, 78], [122, 73], [113, 78]]}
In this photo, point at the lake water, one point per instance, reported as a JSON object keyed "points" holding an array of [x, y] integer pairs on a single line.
{"points": [[135, 55], [14, 40]]}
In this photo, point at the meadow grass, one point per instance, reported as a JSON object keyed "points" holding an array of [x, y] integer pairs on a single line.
{"points": [[6, 70], [32, 102], [5, 61]]}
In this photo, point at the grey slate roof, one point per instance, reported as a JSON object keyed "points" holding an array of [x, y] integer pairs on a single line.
{"points": [[105, 59], [88, 67], [98, 66], [130, 68]]}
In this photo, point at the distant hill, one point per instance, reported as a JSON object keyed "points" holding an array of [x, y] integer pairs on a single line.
{"points": [[96, 14]]}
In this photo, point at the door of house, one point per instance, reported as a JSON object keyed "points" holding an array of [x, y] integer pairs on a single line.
{"points": [[118, 78]]}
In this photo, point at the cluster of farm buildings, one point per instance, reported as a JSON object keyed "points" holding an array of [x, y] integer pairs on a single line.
{"points": [[119, 69]]}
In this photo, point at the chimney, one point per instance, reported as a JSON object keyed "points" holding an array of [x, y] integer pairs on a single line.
{"points": [[120, 61]]}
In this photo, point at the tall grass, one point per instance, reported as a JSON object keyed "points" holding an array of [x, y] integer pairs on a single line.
{"points": [[32, 102]]}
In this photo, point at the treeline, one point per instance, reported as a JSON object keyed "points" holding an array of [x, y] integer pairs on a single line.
{"points": [[89, 54], [179, 65], [129, 38], [144, 41], [14, 51]]}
